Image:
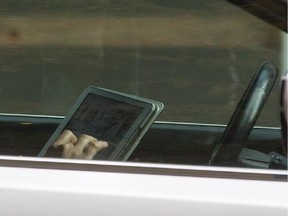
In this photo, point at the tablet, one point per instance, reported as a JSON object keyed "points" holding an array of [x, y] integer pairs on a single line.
{"points": [[117, 118]]}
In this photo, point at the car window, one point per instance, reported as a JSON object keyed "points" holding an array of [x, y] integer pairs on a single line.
{"points": [[197, 57]]}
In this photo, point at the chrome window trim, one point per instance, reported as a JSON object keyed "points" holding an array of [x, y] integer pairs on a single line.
{"points": [[210, 125], [157, 122], [144, 168], [30, 115]]}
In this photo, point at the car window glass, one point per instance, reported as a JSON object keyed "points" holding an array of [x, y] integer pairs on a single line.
{"points": [[197, 57]]}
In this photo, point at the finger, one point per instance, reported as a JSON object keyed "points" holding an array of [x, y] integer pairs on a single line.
{"points": [[89, 152], [83, 142], [67, 150], [99, 145], [93, 148], [61, 151], [65, 137]]}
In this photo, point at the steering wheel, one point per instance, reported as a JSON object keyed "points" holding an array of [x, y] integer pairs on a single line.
{"points": [[245, 116]]}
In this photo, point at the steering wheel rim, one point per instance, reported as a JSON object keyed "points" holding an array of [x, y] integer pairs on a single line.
{"points": [[245, 116]]}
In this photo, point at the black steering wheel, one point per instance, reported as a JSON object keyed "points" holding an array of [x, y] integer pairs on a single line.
{"points": [[245, 116]]}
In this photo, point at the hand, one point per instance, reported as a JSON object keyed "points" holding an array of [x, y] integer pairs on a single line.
{"points": [[68, 146]]}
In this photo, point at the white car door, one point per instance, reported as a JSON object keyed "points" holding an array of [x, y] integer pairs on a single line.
{"points": [[30, 186]]}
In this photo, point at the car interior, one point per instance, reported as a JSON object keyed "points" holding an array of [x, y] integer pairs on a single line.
{"points": [[239, 144]]}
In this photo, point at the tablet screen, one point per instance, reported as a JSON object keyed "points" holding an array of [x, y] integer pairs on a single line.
{"points": [[105, 119]]}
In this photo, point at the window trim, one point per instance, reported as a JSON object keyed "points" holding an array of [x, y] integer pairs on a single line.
{"points": [[144, 168]]}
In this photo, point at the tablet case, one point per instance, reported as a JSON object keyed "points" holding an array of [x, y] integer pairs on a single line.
{"points": [[138, 114]]}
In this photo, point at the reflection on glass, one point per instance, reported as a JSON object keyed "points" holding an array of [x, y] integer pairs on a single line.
{"points": [[199, 60]]}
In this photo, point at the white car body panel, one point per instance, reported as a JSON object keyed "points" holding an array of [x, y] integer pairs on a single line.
{"points": [[60, 191]]}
